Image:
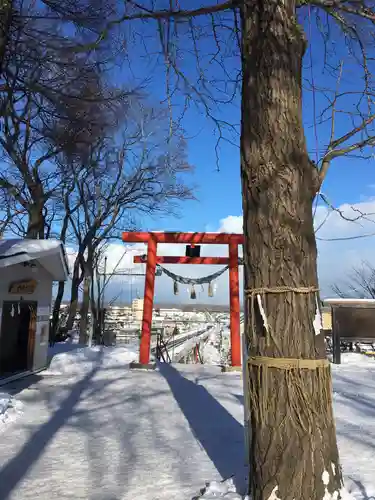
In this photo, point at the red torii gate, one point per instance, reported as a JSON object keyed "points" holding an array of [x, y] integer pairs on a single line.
{"points": [[152, 239]]}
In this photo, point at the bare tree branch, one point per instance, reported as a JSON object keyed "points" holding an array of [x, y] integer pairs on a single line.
{"points": [[360, 283]]}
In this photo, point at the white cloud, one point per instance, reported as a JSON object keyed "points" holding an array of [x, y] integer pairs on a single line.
{"points": [[231, 224], [335, 261]]}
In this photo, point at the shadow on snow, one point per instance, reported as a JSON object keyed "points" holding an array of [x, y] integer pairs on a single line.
{"points": [[217, 431]]}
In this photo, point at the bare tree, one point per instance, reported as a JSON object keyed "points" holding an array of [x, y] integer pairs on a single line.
{"points": [[293, 452], [141, 174], [67, 210], [96, 293], [85, 20], [6, 214], [360, 283], [53, 99]]}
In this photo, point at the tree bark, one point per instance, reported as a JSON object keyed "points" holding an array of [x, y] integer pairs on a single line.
{"points": [[293, 452], [83, 328], [6, 17], [85, 307], [77, 279], [56, 308], [94, 312], [96, 308], [61, 287], [36, 223]]}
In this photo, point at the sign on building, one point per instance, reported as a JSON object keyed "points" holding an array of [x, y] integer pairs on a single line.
{"points": [[25, 287]]}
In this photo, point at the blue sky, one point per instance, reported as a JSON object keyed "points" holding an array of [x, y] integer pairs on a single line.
{"points": [[218, 205], [350, 180], [219, 192]]}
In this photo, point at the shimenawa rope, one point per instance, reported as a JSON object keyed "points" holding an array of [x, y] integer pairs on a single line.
{"points": [[305, 383], [288, 363], [281, 289]]}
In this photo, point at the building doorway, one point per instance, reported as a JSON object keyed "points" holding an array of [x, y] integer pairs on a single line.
{"points": [[17, 336]]}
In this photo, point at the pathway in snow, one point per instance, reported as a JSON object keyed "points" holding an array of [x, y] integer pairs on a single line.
{"points": [[112, 434]]}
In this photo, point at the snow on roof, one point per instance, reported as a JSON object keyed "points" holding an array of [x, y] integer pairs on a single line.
{"points": [[49, 253], [349, 302]]}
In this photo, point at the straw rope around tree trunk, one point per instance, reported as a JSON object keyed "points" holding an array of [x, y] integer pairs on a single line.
{"points": [[307, 381], [281, 289], [288, 363], [295, 373]]}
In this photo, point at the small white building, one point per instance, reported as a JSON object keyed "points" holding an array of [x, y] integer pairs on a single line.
{"points": [[28, 269]]}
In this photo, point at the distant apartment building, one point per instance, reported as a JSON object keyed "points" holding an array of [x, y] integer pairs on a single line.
{"points": [[137, 309], [170, 312]]}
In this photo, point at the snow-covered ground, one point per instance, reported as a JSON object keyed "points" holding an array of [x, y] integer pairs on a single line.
{"points": [[10, 409], [354, 404], [71, 359], [94, 430]]}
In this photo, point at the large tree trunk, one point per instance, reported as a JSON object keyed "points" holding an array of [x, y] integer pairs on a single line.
{"points": [[61, 288], [6, 17], [56, 309], [77, 279], [83, 328], [96, 308], [36, 223], [85, 307], [293, 452]]}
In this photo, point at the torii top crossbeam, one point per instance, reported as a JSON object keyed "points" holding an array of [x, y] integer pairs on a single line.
{"points": [[152, 239], [173, 237]]}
